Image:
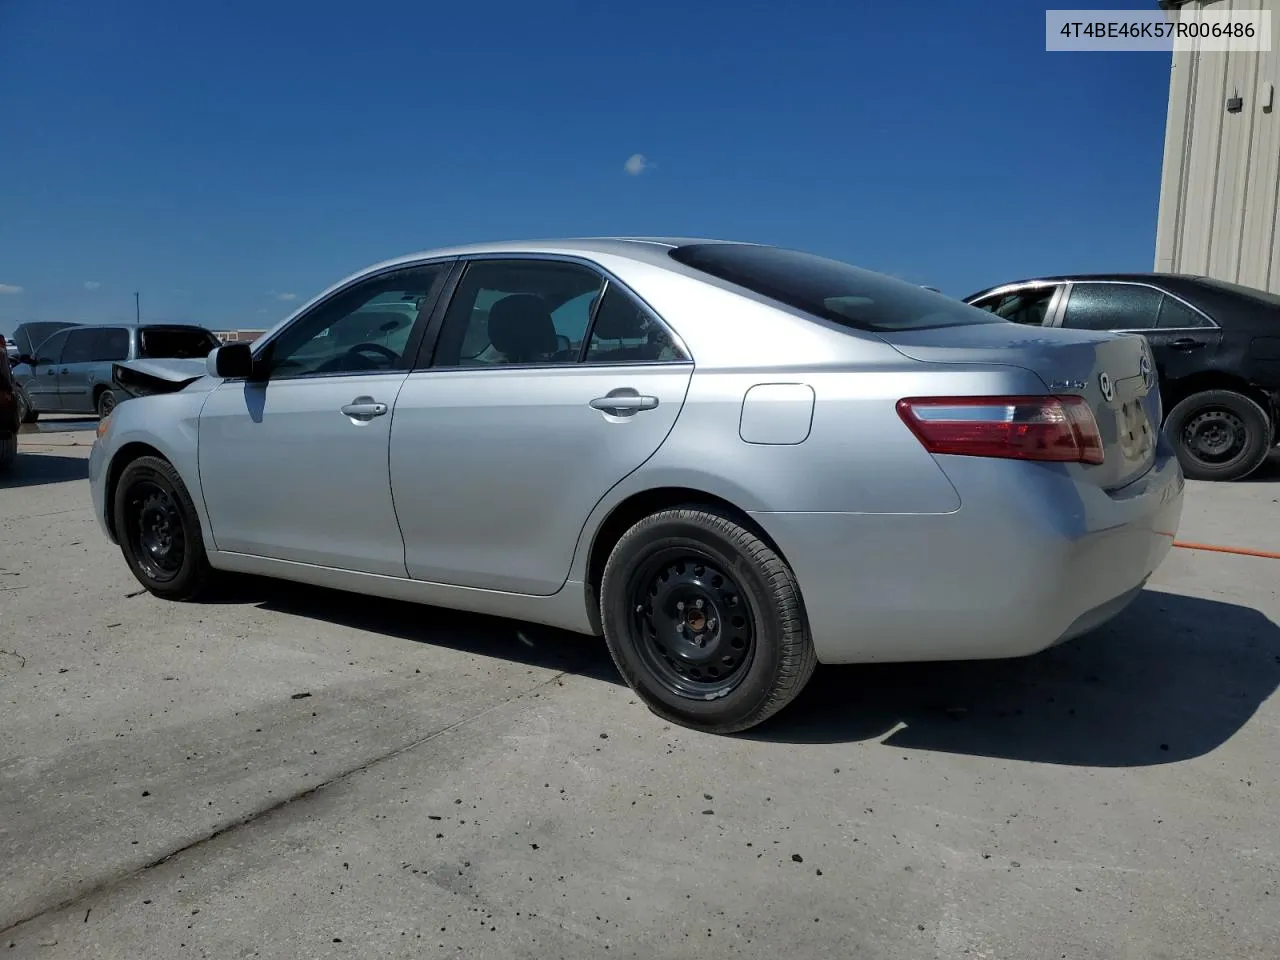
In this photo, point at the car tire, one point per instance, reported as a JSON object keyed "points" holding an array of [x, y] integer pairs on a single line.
{"points": [[8, 451], [159, 531], [105, 403], [705, 621], [1219, 435], [25, 413]]}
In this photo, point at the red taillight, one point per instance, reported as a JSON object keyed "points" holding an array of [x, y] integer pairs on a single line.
{"points": [[1061, 429]]}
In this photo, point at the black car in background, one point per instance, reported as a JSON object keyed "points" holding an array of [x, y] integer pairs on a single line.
{"points": [[1216, 347]]}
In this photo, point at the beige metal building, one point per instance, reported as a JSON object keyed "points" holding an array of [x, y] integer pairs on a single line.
{"points": [[1220, 187]]}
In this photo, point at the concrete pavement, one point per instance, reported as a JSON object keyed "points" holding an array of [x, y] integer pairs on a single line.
{"points": [[286, 772]]}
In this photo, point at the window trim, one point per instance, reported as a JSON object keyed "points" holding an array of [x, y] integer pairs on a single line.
{"points": [[426, 320], [426, 360], [1070, 285]]}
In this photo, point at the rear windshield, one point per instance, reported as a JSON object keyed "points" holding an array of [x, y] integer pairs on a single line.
{"points": [[829, 289], [176, 343], [1251, 293]]}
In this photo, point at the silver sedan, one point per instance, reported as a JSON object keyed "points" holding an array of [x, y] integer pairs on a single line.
{"points": [[733, 461]]}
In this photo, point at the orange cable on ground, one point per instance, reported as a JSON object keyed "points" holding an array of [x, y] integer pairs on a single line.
{"points": [[1240, 551]]}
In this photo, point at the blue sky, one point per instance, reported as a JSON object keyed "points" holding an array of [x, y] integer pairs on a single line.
{"points": [[223, 158]]}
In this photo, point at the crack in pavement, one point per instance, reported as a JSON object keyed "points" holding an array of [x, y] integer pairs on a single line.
{"points": [[111, 882]]}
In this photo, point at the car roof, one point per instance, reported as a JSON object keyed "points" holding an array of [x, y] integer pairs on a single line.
{"points": [[638, 248]]}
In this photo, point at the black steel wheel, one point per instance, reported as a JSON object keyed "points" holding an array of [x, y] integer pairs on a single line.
{"points": [[704, 620], [1219, 435], [159, 531], [691, 623], [106, 403]]}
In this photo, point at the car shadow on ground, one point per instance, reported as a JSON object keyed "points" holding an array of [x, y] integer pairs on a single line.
{"points": [[1269, 472], [34, 469], [1171, 678]]}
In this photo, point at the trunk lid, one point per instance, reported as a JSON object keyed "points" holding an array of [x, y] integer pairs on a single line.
{"points": [[1113, 372]]}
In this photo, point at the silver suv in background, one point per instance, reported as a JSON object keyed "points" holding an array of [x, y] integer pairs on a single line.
{"points": [[70, 372]]}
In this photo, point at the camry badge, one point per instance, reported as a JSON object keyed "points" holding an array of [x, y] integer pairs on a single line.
{"points": [[1104, 384]]}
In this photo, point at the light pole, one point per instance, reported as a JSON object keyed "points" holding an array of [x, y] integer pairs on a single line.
{"points": [[137, 306]]}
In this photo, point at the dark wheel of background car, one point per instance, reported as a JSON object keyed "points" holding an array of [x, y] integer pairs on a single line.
{"points": [[159, 531], [25, 413], [1219, 435], [704, 620], [106, 403], [8, 451]]}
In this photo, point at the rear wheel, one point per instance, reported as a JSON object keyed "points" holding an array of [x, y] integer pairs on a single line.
{"points": [[1219, 435], [159, 531], [106, 403], [704, 620]]}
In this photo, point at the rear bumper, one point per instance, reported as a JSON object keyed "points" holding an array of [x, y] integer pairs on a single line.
{"points": [[1032, 558]]}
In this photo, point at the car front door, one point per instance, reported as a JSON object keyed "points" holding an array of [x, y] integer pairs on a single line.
{"points": [[550, 383], [293, 461], [42, 385]]}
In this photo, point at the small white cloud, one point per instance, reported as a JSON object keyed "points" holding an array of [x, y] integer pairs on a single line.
{"points": [[91, 284], [636, 164], [9, 288], [262, 309], [284, 297]]}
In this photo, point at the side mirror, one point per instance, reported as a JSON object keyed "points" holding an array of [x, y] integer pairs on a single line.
{"points": [[232, 361]]}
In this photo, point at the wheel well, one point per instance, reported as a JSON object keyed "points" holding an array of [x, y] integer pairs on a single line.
{"points": [[634, 509], [1176, 391], [124, 456]]}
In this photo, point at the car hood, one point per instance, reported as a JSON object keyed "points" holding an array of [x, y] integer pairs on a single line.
{"points": [[139, 378]]}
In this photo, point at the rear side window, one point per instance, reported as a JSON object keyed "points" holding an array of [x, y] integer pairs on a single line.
{"points": [[176, 343], [835, 291], [1112, 306]]}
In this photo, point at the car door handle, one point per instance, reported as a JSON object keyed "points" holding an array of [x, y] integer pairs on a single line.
{"points": [[64, 371], [364, 408], [1186, 343], [624, 402]]}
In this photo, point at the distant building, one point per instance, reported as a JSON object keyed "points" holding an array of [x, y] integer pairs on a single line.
{"points": [[1220, 186]]}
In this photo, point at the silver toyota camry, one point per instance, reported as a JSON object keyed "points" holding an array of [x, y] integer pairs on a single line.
{"points": [[733, 461]]}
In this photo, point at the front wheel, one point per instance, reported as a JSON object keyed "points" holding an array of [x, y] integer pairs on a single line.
{"points": [[159, 531], [1219, 435], [25, 413], [704, 620]]}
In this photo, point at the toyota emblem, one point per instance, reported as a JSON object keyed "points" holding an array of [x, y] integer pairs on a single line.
{"points": [[1105, 385], [1145, 367]]}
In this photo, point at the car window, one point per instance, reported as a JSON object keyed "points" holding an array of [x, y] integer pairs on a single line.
{"points": [[114, 345], [51, 350], [1112, 306], [1029, 306], [364, 329], [175, 343], [1176, 315], [518, 312], [834, 291], [625, 332], [81, 346]]}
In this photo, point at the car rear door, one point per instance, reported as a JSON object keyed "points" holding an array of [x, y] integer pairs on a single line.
{"points": [[74, 392], [1183, 340], [550, 384]]}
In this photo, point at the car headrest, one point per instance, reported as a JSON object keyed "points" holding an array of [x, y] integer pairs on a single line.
{"points": [[520, 326]]}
